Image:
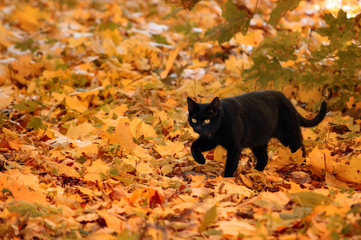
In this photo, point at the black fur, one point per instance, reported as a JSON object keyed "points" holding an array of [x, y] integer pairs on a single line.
{"points": [[247, 121]]}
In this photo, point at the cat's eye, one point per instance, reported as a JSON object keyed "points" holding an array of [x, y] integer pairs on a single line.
{"points": [[207, 121], [194, 120]]}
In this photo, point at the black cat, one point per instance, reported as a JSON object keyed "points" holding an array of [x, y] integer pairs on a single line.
{"points": [[249, 120]]}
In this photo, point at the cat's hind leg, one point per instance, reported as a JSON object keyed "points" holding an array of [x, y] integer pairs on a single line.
{"points": [[289, 134], [295, 139], [260, 152]]}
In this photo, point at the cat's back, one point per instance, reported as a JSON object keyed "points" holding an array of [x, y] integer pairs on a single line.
{"points": [[254, 98]]}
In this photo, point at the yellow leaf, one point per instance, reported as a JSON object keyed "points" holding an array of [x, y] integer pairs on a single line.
{"points": [[113, 222], [310, 96], [6, 36], [122, 135], [4, 213], [23, 177], [76, 42], [228, 186], [10, 134], [18, 183], [89, 192], [24, 68], [253, 38], [170, 148], [350, 102], [49, 75], [170, 62], [29, 17], [139, 128], [231, 229], [63, 169], [144, 168], [277, 200], [332, 181], [87, 148], [120, 110], [74, 103], [93, 171], [81, 131], [286, 157], [320, 161], [111, 42], [167, 169], [142, 153], [349, 173], [4, 74], [236, 65], [219, 154]]}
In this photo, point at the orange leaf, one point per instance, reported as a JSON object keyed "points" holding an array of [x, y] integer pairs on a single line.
{"points": [[28, 17], [170, 149], [113, 222], [155, 196], [170, 62], [122, 135]]}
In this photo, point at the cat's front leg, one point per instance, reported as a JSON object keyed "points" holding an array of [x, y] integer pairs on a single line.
{"points": [[233, 155], [200, 145]]}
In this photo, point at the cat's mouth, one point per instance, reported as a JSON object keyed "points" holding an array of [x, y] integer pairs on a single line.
{"points": [[207, 134]]}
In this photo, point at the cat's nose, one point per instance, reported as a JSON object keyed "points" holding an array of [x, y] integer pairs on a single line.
{"points": [[198, 129]]}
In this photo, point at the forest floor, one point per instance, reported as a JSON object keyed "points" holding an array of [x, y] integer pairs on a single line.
{"points": [[94, 138]]}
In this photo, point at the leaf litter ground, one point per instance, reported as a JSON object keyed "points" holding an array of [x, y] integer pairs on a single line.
{"points": [[95, 142]]}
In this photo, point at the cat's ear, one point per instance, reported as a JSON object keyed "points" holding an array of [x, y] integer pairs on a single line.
{"points": [[192, 105], [215, 106]]}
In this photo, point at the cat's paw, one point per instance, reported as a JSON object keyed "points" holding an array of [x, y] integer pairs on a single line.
{"points": [[228, 175], [199, 158]]}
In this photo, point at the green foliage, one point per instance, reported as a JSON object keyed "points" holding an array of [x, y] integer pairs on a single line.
{"points": [[334, 66], [265, 70], [237, 20], [28, 106], [108, 25], [160, 39], [339, 31], [283, 6], [282, 46], [27, 45], [310, 199], [68, 3], [31, 209], [188, 30], [35, 123], [209, 217]]}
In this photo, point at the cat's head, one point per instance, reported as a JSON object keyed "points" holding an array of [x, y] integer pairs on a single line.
{"points": [[204, 118]]}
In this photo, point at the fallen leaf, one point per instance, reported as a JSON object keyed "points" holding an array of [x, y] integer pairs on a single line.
{"points": [[93, 172], [170, 148], [320, 161], [170, 61], [122, 135], [209, 217], [81, 131], [231, 229], [349, 173], [5, 96], [113, 222]]}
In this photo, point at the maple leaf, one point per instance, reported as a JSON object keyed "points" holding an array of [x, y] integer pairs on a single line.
{"points": [[340, 29], [283, 6], [238, 19]]}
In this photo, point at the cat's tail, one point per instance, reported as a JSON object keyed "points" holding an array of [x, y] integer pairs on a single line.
{"points": [[316, 120]]}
